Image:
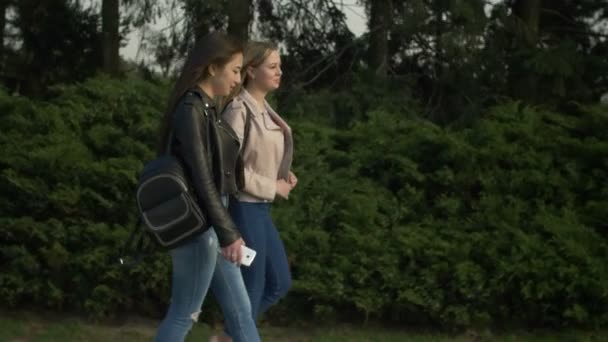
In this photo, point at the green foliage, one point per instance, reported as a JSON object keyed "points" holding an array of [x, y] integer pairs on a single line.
{"points": [[341, 106], [44, 53], [494, 224], [68, 171], [399, 219]]}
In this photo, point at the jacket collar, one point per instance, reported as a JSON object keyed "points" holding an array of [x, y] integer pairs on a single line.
{"points": [[209, 103], [253, 104]]}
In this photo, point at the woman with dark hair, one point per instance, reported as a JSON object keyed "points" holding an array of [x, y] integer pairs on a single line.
{"points": [[209, 152]]}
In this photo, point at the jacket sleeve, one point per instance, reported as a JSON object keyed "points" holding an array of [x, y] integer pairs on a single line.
{"points": [[255, 184], [189, 131]]}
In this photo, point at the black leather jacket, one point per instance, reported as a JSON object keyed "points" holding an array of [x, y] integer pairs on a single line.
{"points": [[209, 151]]}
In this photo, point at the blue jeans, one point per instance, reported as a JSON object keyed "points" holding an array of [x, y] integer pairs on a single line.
{"points": [[268, 278], [197, 266]]}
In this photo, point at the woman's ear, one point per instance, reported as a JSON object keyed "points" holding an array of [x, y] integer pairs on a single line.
{"points": [[212, 70], [250, 73]]}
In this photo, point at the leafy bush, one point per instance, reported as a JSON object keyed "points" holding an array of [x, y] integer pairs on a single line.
{"points": [[394, 217], [496, 224], [68, 173]]}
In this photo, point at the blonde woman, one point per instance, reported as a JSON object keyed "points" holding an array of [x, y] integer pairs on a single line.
{"points": [[267, 151]]}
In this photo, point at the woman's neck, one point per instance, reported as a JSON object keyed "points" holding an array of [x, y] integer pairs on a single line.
{"points": [[206, 87], [258, 95]]}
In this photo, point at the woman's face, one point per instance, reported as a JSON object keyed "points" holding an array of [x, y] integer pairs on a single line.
{"points": [[267, 76], [223, 80]]}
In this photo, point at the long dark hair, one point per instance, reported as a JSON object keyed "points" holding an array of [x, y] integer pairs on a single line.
{"points": [[217, 49]]}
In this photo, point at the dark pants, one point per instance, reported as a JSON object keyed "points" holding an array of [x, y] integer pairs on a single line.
{"points": [[268, 278]]}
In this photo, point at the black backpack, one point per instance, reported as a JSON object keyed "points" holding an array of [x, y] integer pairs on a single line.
{"points": [[168, 211]]}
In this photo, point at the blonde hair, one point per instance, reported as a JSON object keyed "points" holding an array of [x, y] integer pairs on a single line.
{"points": [[254, 54]]}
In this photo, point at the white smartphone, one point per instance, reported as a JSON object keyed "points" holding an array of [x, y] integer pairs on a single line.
{"points": [[247, 255]]}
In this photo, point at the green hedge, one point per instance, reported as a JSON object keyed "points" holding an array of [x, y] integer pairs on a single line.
{"points": [[68, 172], [500, 223]]}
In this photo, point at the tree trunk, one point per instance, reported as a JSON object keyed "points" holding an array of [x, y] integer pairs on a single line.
{"points": [[239, 17], [528, 13], [379, 23], [111, 39], [3, 7], [524, 81], [440, 10]]}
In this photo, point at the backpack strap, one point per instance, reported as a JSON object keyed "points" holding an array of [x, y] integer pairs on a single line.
{"points": [[136, 236]]}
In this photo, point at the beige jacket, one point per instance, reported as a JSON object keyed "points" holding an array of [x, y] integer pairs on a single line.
{"points": [[269, 151]]}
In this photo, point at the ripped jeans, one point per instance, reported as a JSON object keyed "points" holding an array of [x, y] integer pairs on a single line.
{"points": [[198, 265]]}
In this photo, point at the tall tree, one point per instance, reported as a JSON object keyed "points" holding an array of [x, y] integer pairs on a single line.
{"points": [[437, 45], [525, 19], [379, 24], [576, 36], [527, 14], [3, 7], [240, 13], [203, 17], [315, 36], [110, 15], [51, 53]]}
